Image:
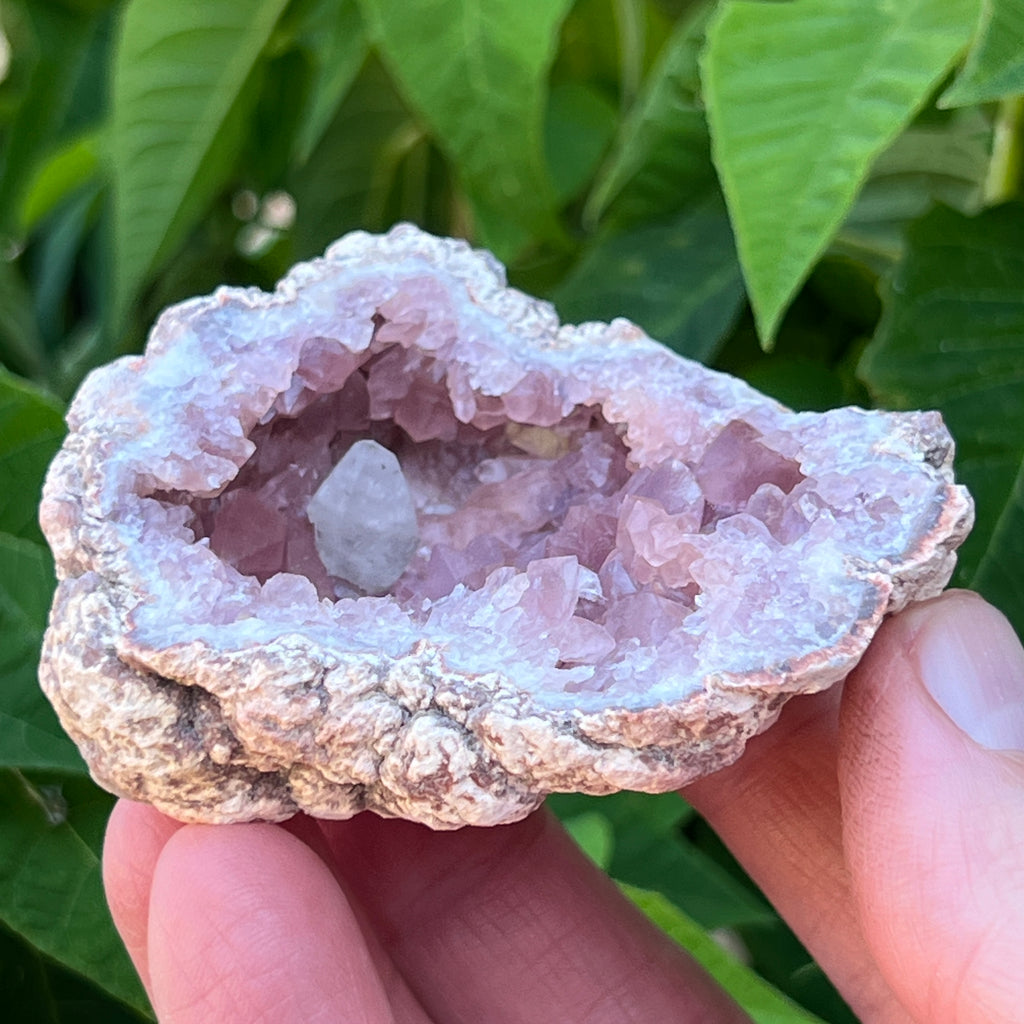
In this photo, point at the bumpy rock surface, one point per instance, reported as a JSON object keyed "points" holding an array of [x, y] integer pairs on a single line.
{"points": [[625, 563]]}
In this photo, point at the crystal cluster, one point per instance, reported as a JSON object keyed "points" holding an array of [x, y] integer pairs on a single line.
{"points": [[392, 538]]}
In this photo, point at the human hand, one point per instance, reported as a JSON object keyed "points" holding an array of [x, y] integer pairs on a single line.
{"points": [[889, 838]]}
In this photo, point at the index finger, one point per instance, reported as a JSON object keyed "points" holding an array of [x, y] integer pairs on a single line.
{"points": [[512, 924]]}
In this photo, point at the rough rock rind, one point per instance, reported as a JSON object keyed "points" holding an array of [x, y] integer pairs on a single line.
{"points": [[222, 693]]}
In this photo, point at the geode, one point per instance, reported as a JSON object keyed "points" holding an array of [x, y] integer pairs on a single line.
{"points": [[619, 567]]}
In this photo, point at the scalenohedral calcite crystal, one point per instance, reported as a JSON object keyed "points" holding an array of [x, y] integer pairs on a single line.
{"points": [[619, 567]]}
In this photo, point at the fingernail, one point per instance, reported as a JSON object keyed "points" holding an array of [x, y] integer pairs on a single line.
{"points": [[972, 664]]}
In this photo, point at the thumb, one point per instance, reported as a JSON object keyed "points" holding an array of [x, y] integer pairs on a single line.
{"points": [[931, 772]]}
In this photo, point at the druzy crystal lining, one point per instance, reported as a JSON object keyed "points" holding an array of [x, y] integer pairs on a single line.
{"points": [[622, 563]]}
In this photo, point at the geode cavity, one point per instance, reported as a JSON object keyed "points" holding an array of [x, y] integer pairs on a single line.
{"points": [[620, 565]]}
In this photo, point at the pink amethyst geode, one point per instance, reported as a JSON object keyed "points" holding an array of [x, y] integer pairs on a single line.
{"points": [[619, 566]]}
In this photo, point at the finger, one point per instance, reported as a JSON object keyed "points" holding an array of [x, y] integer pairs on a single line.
{"points": [[404, 1005], [935, 809], [512, 925], [778, 811], [247, 924], [136, 835]]}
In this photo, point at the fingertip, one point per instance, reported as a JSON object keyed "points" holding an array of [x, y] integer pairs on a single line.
{"points": [[932, 807], [972, 664], [942, 683], [135, 837], [777, 809], [246, 920], [514, 923]]}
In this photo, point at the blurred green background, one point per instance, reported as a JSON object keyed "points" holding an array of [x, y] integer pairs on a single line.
{"points": [[822, 197]]}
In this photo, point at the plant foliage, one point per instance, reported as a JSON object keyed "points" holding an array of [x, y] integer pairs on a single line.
{"points": [[822, 196]]}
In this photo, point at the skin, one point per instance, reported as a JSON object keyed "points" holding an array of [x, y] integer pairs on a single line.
{"points": [[886, 830]]}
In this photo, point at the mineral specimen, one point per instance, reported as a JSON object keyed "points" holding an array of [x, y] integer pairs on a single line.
{"points": [[391, 538]]}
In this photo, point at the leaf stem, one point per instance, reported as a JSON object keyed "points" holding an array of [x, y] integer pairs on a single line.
{"points": [[1005, 178], [631, 49]]}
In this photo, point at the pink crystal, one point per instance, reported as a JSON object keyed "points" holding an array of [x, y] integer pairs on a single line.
{"points": [[737, 462], [615, 565], [251, 534]]}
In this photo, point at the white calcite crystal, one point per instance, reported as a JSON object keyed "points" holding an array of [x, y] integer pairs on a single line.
{"points": [[364, 519], [599, 566]]}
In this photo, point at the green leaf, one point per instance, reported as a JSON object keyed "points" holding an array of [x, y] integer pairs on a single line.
{"points": [[661, 158], [802, 97], [680, 281], [59, 261], [267, 128], [812, 366], [31, 429], [593, 834], [995, 64], [647, 848], [180, 77], [934, 160], [763, 1003], [332, 33], [71, 166], [476, 71], [998, 575], [797, 383], [23, 981], [62, 40], [21, 348], [30, 735], [592, 48], [50, 887], [346, 181], [580, 124], [952, 338], [652, 852], [39, 991]]}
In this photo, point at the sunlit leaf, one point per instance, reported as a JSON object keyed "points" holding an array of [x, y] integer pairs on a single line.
{"points": [[594, 835], [763, 1003], [180, 73], [802, 97], [648, 849], [952, 338], [50, 887], [476, 71], [995, 64]]}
